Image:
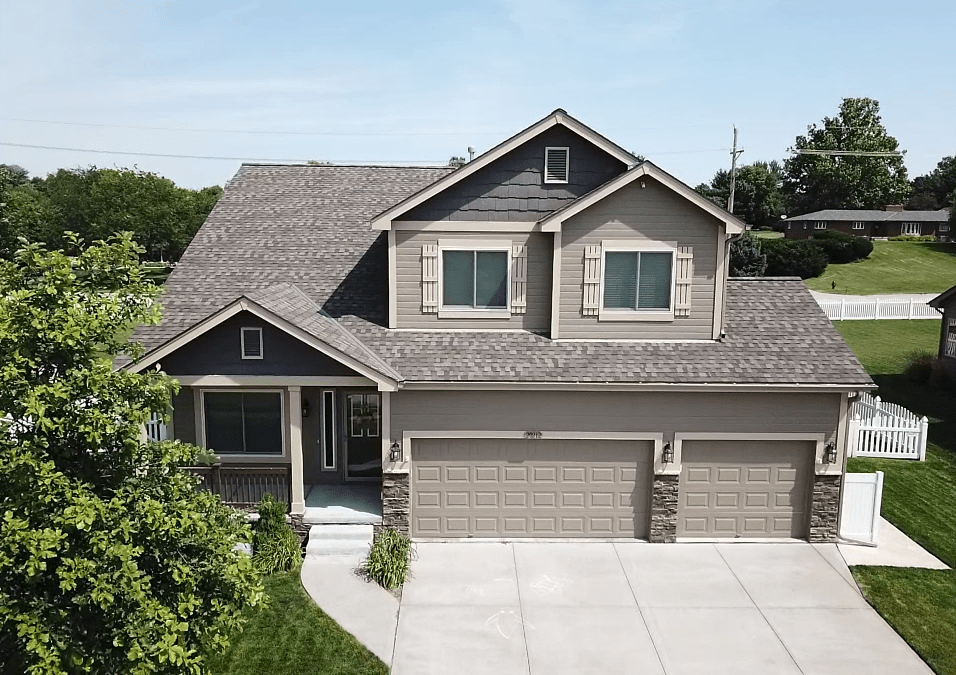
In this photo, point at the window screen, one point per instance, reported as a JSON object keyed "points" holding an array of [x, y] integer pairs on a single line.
{"points": [[637, 280], [247, 422], [475, 279]]}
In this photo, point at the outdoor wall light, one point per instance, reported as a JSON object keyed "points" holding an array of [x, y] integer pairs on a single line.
{"points": [[667, 456], [395, 452], [829, 453], [305, 407]]}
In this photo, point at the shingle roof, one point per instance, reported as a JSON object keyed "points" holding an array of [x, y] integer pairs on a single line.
{"points": [[875, 215], [278, 226]]}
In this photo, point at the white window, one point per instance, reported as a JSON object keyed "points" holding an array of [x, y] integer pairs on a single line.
{"points": [[944, 228], [251, 343], [556, 165], [950, 347], [788, 225], [857, 225], [819, 225], [637, 284], [329, 447], [474, 279], [910, 229], [242, 422]]}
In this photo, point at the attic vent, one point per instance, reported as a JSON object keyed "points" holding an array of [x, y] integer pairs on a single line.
{"points": [[251, 343], [555, 165]]}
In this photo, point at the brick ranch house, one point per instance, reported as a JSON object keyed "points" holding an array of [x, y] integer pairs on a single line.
{"points": [[872, 223], [541, 343]]}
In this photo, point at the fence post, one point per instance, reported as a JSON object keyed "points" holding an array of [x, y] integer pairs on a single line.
{"points": [[214, 479], [921, 439], [876, 310], [909, 315], [877, 500], [842, 305]]}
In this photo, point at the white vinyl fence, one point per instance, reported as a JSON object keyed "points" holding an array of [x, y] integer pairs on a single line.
{"points": [[878, 308], [880, 429], [860, 512], [156, 430]]}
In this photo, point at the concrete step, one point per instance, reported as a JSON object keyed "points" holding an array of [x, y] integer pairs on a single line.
{"points": [[338, 540]]}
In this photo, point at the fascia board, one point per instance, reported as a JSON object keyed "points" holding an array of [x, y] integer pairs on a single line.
{"points": [[631, 386], [937, 302], [383, 221], [553, 222]]}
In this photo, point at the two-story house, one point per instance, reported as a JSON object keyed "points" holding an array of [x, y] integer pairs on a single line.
{"points": [[541, 343]]}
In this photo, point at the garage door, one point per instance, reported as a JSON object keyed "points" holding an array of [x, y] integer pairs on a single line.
{"points": [[744, 488], [530, 488]]}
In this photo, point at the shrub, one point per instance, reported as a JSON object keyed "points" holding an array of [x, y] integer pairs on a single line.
{"points": [[387, 561], [276, 547], [842, 248], [793, 258], [746, 257], [909, 237], [920, 365]]}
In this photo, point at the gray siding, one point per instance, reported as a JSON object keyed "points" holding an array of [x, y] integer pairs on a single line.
{"points": [[512, 187], [613, 411], [184, 416], [217, 352], [409, 281], [652, 213]]}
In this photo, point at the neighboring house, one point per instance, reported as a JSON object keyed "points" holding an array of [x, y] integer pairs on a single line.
{"points": [[893, 222], [945, 303], [541, 343]]}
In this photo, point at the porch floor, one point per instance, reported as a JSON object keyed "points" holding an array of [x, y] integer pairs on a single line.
{"points": [[353, 503]]}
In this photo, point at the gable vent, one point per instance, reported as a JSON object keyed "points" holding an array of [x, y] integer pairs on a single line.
{"points": [[251, 343], [556, 165]]}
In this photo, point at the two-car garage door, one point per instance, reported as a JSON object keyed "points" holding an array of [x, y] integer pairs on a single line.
{"points": [[530, 488]]}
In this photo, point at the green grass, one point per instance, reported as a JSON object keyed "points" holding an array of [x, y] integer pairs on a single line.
{"points": [[767, 234], [294, 637], [918, 497], [893, 267], [920, 605]]}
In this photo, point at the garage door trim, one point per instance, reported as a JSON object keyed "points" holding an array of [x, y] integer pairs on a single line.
{"points": [[817, 439]]}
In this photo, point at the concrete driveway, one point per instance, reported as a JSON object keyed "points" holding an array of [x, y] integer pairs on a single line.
{"points": [[550, 608]]}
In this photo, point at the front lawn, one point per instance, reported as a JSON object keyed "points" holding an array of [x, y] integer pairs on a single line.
{"points": [[918, 497], [893, 267], [294, 637]]}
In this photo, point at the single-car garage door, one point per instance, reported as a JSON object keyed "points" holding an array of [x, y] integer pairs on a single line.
{"points": [[744, 488], [530, 488]]}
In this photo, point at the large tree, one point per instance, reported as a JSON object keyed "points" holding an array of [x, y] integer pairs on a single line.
{"points": [[110, 560], [935, 190], [853, 181], [758, 199]]}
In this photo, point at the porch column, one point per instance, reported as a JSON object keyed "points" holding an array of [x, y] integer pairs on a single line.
{"points": [[295, 449]]}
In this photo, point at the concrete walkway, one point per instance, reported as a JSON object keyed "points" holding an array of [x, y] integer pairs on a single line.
{"points": [[551, 608], [894, 549]]}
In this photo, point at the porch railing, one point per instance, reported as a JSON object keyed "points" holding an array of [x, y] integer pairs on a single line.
{"points": [[243, 485]]}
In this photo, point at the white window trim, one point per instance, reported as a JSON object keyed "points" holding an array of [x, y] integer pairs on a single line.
{"points": [[567, 167], [498, 245], [259, 456], [820, 225], [918, 227], [859, 225], [242, 347], [635, 314], [324, 440]]}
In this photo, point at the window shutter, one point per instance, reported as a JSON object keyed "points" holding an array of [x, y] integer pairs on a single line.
{"points": [[685, 277], [519, 279], [592, 280], [430, 279]]}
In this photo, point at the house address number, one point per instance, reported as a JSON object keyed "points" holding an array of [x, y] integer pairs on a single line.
{"points": [[533, 434]]}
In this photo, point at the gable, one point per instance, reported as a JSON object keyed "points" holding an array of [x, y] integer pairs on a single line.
{"points": [[218, 352], [512, 187]]}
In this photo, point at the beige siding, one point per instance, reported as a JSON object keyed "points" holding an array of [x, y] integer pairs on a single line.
{"points": [[408, 262], [653, 213], [613, 411]]}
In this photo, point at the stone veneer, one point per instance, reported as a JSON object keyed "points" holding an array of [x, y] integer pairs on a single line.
{"points": [[825, 509], [395, 501], [664, 509]]}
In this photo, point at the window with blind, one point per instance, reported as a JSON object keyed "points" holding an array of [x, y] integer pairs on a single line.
{"points": [[475, 279], [637, 280]]}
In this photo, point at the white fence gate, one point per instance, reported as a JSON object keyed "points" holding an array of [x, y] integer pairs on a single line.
{"points": [[863, 308], [880, 429], [860, 512], [155, 429]]}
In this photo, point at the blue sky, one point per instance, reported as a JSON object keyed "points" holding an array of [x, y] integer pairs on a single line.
{"points": [[418, 82]]}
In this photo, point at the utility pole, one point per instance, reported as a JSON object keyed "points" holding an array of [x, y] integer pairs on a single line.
{"points": [[734, 154]]}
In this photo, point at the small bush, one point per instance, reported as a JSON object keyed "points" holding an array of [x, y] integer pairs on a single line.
{"points": [[909, 237], [276, 547], [793, 258], [387, 561], [920, 365]]}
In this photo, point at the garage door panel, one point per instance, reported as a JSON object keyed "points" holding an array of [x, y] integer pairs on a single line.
{"points": [[593, 488], [765, 497]]}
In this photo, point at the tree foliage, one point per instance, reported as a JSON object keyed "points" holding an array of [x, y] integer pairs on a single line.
{"points": [[815, 182], [758, 199], [110, 560], [97, 203], [937, 189], [793, 258], [747, 259]]}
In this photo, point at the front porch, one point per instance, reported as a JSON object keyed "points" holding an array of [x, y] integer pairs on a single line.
{"points": [[346, 503]]}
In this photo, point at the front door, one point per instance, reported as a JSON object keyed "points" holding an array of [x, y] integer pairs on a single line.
{"points": [[363, 431]]}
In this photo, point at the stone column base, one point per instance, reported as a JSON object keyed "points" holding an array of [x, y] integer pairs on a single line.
{"points": [[825, 509], [395, 502], [664, 509]]}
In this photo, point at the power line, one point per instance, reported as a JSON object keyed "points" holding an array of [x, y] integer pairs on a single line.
{"points": [[229, 159], [257, 131], [848, 153]]}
